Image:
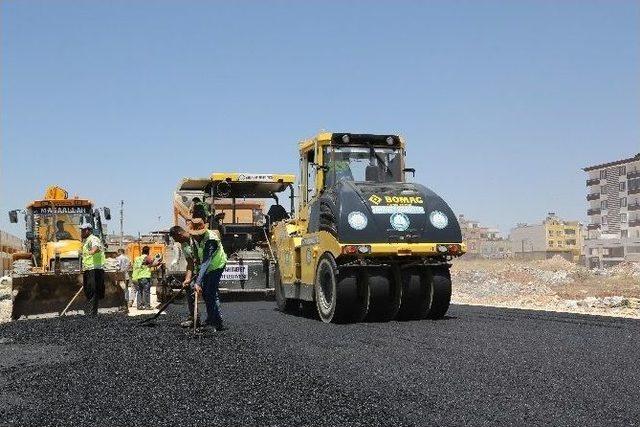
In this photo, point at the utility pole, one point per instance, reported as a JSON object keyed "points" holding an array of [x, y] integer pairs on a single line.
{"points": [[121, 224]]}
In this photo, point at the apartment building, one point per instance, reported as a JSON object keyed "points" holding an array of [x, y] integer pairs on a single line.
{"points": [[613, 208], [483, 242], [553, 236]]}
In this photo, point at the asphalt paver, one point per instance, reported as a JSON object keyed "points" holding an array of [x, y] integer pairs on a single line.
{"points": [[478, 366]]}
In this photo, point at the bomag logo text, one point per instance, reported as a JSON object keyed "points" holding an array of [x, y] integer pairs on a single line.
{"points": [[403, 200]]}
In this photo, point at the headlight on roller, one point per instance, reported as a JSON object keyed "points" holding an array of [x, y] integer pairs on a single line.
{"points": [[439, 220], [357, 220]]}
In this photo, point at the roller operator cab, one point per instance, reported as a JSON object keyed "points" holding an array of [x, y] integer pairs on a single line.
{"points": [[365, 244]]}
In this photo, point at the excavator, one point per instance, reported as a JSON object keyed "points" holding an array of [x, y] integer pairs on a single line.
{"points": [[45, 278]]}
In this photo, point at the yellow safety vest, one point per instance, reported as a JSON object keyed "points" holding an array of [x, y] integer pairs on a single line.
{"points": [[95, 261], [140, 269], [219, 258]]}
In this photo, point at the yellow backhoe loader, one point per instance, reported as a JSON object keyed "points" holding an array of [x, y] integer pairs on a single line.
{"points": [[47, 276]]}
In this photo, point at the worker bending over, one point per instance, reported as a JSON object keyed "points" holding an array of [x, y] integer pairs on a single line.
{"points": [[92, 268], [142, 277], [211, 258], [187, 244]]}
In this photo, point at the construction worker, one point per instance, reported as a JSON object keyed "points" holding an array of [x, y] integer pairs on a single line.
{"points": [[92, 268], [142, 266], [212, 259], [187, 245], [124, 266]]}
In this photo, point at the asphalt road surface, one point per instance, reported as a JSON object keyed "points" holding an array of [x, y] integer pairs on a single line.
{"points": [[479, 366]]}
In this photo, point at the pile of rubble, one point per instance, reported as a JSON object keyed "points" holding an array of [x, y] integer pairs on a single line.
{"points": [[554, 284]]}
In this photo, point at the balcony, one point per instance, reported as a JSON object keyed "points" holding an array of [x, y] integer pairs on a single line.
{"points": [[594, 181], [595, 211], [634, 190], [634, 223], [633, 174], [594, 196], [634, 207], [593, 226]]}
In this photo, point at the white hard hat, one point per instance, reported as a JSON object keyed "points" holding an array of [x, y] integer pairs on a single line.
{"points": [[86, 226]]}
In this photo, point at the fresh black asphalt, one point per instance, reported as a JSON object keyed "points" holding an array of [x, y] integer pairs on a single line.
{"points": [[479, 366]]}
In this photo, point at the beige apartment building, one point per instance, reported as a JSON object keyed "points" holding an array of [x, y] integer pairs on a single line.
{"points": [[613, 208], [481, 241], [554, 236]]}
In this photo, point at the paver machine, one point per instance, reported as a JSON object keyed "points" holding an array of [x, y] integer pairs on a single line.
{"points": [[364, 244], [46, 277], [242, 207]]}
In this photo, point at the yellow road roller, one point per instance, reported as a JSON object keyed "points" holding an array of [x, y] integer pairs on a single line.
{"points": [[364, 244]]}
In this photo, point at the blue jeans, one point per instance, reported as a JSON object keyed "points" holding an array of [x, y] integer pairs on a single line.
{"points": [[211, 296], [143, 292]]}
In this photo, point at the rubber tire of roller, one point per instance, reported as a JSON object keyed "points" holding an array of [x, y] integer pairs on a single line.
{"points": [[285, 305], [441, 293], [385, 296], [341, 306], [416, 294]]}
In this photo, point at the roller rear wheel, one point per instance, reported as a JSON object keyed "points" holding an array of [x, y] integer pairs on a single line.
{"points": [[340, 297], [416, 294], [385, 295], [286, 305], [440, 293]]}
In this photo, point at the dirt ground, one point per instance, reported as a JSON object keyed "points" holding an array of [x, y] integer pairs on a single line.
{"points": [[555, 284]]}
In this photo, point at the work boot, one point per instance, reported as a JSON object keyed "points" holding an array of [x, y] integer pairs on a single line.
{"points": [[189, 323]]}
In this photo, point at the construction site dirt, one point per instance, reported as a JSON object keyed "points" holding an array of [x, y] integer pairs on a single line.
{"points": [[478, 366], [554, 284]]}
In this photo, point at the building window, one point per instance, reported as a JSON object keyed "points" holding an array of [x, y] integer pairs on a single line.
{"points": [[624, 233], [623, 217], [634, 184], [623, 202], [603, 174], [603, 205], [550, 242], [623, 186], [550, 232], [622, 170], [604, 220]]}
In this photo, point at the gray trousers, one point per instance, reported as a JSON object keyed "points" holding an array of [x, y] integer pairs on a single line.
{"points": [[143, 288]]}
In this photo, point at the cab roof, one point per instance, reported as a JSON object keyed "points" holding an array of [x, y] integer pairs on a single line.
{"points": [[326, 138], [248, 185]]}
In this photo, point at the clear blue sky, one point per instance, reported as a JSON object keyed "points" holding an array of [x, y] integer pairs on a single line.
{"points": [[502, 103]]}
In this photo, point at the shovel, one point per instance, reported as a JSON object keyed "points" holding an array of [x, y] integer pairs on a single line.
{"points": [[163, 308]]}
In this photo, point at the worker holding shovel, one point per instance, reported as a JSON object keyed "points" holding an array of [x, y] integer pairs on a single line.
{"points": [[187, 244], [210, 256]]}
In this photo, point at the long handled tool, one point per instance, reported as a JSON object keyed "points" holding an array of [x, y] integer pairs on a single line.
{"points": [[163, 308], [195, 313], [63, 312]]}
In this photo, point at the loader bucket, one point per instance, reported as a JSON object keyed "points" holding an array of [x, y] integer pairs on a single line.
{"points": [[45, 293]]}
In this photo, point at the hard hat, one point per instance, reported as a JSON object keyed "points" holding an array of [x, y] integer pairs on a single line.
{"points": [[86, 226]]}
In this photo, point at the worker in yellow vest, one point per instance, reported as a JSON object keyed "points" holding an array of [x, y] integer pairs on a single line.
{"points": [[92, 268], [211, 258], [141, 276]]}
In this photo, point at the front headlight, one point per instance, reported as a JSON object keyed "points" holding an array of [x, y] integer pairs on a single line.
{"points": [[357, 220], [439, 220]]}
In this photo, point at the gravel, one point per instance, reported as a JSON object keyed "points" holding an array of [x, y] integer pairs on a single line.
{"points": [[479, 366]]}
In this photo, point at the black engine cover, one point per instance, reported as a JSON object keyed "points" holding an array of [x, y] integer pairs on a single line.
{"points": [[411, 206]]}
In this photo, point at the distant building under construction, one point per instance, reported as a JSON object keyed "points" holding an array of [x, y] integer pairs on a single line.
{"points": [[552, 237]]}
